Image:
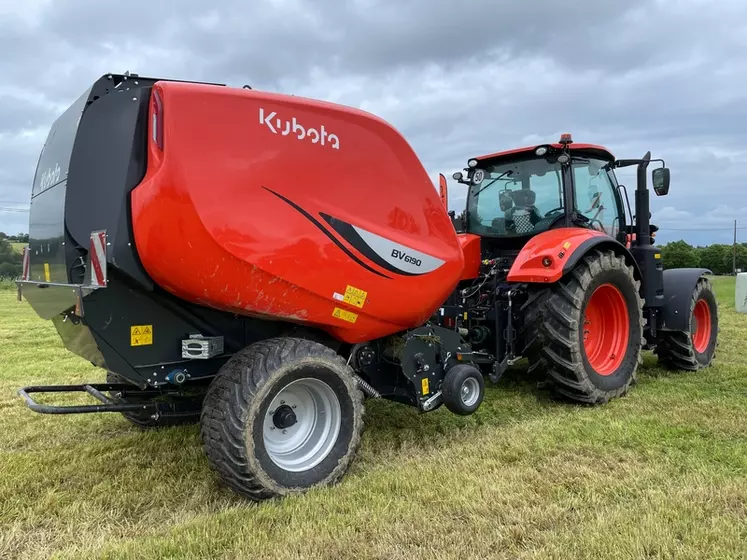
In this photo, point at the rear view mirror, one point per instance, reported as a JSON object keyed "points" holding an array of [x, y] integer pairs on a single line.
{"points": [[660, 179]]}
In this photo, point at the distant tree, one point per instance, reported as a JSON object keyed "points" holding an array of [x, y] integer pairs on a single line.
{"points": [[3, 235], [679, 254], [10, 261], [716, 257], [741, 258], [9, 270]]}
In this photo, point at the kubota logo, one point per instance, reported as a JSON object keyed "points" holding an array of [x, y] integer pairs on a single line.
{"points": [[275, 124], [50, 177]]}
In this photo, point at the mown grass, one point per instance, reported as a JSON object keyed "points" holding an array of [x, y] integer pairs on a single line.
{"points": [[661, 473], [18, 247]]}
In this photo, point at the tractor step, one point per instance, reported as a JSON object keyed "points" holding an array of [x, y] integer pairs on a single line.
{"points": [[93, 389]]}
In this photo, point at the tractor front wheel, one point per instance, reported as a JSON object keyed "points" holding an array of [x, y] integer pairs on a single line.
{"points": [[282, 416], [696, 348], [586, 331]]}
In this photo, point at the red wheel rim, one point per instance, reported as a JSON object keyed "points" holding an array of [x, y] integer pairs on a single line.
{"points": [[702, 326], [606, 329]]}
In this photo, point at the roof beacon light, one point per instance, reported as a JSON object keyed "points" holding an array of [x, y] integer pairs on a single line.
{"points": [[565, 138], [541, 151], [472, 163]]}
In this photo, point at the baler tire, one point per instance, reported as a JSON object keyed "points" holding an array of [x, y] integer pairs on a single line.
{"points": [[678, 350], [146, 421], [555, 328], [238, 400]]}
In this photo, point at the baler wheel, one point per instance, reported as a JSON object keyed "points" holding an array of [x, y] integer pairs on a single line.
{"points": [[282, 416], [586, 331], [694, 349]]}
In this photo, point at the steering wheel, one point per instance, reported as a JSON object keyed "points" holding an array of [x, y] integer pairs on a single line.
{"points": [[558, 209]]}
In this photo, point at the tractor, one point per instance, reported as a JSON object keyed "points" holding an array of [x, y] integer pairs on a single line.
{"points": [[557, 272], [264, 264]]}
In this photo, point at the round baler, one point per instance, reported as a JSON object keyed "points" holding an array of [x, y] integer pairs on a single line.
{"points": [[263, 263]]}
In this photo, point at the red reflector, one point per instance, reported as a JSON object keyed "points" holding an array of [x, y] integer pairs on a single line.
{"points": [[98, 258], [449, 322], [26, 263], [157, 120]]}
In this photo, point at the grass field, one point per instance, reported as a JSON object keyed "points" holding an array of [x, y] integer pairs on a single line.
{"points": [[661, 473], [18, 247]]}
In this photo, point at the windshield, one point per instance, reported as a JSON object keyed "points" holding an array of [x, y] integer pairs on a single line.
{"points": [[514, 199]]}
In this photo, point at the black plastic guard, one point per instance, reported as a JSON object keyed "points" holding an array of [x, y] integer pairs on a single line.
{"points": [[679, 285]]}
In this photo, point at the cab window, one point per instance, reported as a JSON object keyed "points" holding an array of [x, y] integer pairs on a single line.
{"points": [[595, 195]]}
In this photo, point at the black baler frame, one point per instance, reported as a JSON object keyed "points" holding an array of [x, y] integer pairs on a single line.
{"points": [[95, 390]]}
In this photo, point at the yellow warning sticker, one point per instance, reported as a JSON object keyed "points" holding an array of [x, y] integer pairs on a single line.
{"points": [[355, 296], [657, 255], [425, 386], [47, 274], [141, 335], [348, 316], [566, 245]]}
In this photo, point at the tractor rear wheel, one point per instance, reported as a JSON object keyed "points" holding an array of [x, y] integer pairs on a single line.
{"points": [[586, 331], [694, 349], [282, 416]]}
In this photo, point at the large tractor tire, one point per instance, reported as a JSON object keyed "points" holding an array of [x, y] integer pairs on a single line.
{"points": [[189, 412], [586, 331], [282, 416], [694, 349]]}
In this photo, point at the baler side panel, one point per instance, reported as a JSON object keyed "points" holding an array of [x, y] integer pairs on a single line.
{"points": [[246, 210], [108, 160]]}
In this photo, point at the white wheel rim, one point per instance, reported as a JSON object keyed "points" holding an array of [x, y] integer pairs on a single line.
{"points": [[470, 391], [318, 417]]}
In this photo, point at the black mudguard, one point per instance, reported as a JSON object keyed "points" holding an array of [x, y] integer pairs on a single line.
{"points": [[679, 285], [601, 243]]}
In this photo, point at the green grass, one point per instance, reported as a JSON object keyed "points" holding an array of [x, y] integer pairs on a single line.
{"points": [[18, 247], [661, 473]]}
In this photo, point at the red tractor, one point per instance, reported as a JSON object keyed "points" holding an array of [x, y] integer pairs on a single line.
{"points": [[562, 275], [260, 263]]}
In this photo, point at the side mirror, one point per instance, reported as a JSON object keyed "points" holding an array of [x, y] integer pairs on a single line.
{"points": [[660, 180], [458, 176]]}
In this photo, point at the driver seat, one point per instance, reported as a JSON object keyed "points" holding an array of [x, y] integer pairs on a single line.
{"points": [[524, 214]]}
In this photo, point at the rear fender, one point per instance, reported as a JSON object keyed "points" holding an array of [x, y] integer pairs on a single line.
{"points": [[679, 285], [550, 255]]}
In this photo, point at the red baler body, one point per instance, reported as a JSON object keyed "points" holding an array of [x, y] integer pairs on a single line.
{"points": [[243, 211]]}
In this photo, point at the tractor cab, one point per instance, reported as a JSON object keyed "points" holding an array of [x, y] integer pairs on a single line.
{"points": [[514, 195]]}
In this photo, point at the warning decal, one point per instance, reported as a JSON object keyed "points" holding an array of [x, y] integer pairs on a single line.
{"points": [[141, 335], [348, 316], [425, 386], [566, 245], [355, 296]]}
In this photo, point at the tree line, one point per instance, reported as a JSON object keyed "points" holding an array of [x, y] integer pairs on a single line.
{"points": [[11, 262], [718, 258]]}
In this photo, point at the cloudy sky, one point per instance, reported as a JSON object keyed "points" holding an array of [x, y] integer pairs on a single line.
{"points": [[457, 78]]}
